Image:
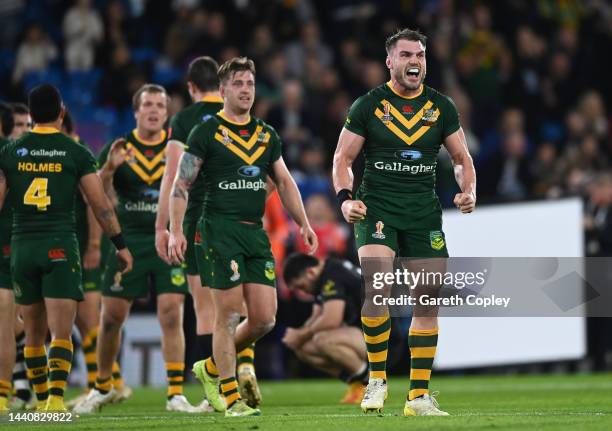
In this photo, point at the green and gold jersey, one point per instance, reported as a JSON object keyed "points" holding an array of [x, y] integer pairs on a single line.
{"points": [[43, 169], [402, 138], [137, 182], [180, 126], [6, 215], [237, 160]]}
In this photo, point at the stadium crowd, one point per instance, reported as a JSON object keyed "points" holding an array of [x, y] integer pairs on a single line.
{"points": [[527, 77]]}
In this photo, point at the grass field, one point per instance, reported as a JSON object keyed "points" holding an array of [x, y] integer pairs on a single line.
{"points": [[525, 402]]}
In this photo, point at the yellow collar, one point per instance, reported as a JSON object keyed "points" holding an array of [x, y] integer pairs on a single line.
{"points": [[222, 115], [390, 85], [44, 130], [215, 99], [151, 143]]}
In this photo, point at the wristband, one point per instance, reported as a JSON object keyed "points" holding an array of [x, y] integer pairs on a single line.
{"points": [[118, 241], [344, 195]]}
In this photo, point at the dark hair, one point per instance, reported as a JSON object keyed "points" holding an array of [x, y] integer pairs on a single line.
{"points": [[147, 88], [20, 108], [68, 124], [236, 64], [296, 264], [202, 73], [6, 119], [406, 34], [45, 103]]}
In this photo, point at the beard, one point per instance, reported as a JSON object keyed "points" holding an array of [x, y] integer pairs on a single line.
{"points": [[402, 79]]}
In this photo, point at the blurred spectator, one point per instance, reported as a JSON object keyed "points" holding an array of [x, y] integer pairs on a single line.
{"points": [[10, 10], [332, 234], [591, 107], [291, 119], [119, 79], [506, 176], [309, 44], [311, 175], [34, 54], [261, 44], [83, 30]]}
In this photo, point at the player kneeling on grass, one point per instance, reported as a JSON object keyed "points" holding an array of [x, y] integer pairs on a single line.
{"points": [[330, 339]]}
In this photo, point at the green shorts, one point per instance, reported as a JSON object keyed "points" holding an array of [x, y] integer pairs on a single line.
{"points": [[92, 278], [202, 259], [237, 253], [45, 266], [148, 270], [190, 227], [422, 237], [5, 265]]}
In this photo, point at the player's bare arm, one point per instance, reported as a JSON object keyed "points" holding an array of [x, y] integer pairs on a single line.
{"points": [[116, 157], [189, 168], [292, 201], [174, 149], [92, 255], [329, 317], [91, 185], [3, 188], [349, 146], [465, 175]]}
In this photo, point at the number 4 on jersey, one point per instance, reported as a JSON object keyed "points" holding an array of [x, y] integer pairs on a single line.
{"points": [[36, 194]]}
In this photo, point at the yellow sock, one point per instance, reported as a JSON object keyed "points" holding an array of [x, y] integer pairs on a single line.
{"points": [[229, 389], [60, 362], [246, 357], [37, 370], [175, 372], [211, 367], [91, 361], [105, 385], [117, 378], [422, 343], [5, 389], [376, 332]]}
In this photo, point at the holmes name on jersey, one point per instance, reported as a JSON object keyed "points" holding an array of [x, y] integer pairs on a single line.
{"points": [[243, 185]]}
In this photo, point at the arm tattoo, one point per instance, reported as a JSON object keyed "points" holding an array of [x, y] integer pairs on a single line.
{"points": [[189, 168], [187, 174], [108, 220]]}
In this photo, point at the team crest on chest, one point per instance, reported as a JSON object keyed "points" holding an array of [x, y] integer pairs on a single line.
{"points": [[430, 116]]}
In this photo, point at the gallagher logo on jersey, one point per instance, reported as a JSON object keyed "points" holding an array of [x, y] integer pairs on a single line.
{"points": [[22, 152], [249, 171], [408, 154]]}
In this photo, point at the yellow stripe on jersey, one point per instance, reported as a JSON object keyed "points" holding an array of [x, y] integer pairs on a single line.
{"points": [[409, 124], [149, 164], [237, 151], [246, 144]]}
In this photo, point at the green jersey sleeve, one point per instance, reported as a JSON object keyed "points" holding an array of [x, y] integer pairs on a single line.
{"points": [[197, 142], [450, 118], [276, 146], [357, 118], [178, 132], [85, 161]]}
